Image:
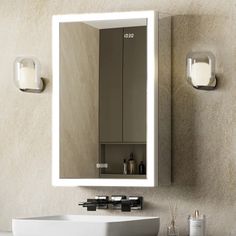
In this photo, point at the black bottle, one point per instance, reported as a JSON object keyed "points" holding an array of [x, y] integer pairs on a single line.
{"points": [[141, 168]]}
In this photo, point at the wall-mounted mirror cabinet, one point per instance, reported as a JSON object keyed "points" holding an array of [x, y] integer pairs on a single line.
{"points": [[111, 99]]}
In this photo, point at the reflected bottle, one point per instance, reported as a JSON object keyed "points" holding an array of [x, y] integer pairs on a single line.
{"points": [[141, 168], [125, 167], [132, 164]]}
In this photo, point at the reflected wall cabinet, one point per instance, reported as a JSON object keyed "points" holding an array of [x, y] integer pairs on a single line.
{"points": [[111, 99]]}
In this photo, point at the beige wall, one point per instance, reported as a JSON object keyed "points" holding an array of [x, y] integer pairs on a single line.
{"points": [[79, 83], [204, 123]]}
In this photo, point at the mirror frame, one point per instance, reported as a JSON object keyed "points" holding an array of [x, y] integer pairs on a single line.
{"points": [[152, 80]]}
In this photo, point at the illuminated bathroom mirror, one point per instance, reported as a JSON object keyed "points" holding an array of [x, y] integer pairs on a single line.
{"points": [[106, 99]]}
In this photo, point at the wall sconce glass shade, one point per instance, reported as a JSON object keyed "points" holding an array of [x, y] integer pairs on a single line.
{"points": [[27, 74], [201, 70]]}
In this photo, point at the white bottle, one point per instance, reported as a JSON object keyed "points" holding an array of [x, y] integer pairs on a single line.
{"points": [[125, 167], [196, 224]]}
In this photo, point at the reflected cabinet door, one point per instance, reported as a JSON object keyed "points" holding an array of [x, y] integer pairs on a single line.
{"points": [[134, 84], [122, 85], [110, 85]]}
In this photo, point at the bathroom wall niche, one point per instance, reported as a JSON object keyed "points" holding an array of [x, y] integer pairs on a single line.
{"points": [[111, 98]]}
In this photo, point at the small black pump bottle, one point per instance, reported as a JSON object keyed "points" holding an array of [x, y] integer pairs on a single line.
{"points": [[141, 168]]}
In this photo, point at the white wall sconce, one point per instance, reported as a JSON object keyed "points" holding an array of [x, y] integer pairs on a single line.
{"points": [[201, 70], [27, 74]]}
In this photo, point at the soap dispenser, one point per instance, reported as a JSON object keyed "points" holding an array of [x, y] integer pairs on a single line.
{"points": [[196, 224]]}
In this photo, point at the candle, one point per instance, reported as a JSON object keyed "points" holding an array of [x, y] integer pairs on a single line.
{"points": [[201, 74], [27, 78]]}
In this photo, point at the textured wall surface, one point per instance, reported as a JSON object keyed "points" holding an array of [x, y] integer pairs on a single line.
{"points": [[204, 123]]}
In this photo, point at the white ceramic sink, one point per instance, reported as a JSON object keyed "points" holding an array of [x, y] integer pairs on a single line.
{"points": [[83, 225]]}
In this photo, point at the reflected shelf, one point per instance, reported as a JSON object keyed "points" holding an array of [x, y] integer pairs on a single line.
{"points": [[122, 176], [133, 143]]}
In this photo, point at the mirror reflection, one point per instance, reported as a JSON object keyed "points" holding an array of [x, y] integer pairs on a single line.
{"points": [[103, 77]]}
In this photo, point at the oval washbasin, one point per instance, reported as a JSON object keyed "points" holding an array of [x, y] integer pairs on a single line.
{"points": [[86, 225]]}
